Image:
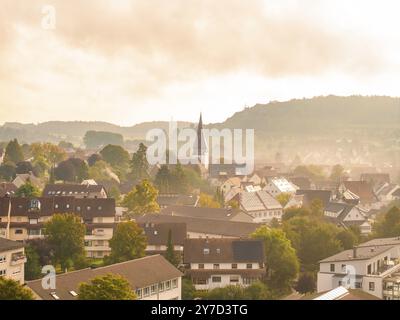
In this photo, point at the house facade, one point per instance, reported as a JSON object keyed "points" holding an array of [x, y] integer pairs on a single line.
{"points": [[12, 260], [23, 219], [217, 263], [75, 190], [373, 267]]}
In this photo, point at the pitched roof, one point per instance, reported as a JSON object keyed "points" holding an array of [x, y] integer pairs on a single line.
{"points": [[381, 242], [301, 182], [66, 189], [362, 189], [140, 273], [311, 195], [258, 201], [223, 251], [282, 184], [362, 253], [7, 188], [177, 199], [375, 178], [6, 245], [206, 226], [157, 233]]}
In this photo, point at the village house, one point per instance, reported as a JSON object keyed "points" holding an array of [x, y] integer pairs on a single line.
{"points": [[23, 219], [22, 179], [7, 189], [75, 190], [260, 205], [276, 186], [358, 192], [215, 263], [309, 196], [373, 267], [375, 179], [151, 278], [171, 199], [388, 192], [12, 260]]}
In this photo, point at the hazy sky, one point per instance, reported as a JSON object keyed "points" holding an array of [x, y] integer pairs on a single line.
{"points": [[128, 61]]}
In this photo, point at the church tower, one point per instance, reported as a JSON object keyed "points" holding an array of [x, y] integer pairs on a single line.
{"points": [[201, 150]]}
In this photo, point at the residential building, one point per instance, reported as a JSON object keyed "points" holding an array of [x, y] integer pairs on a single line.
{"points": [[215, 263], [375, 179], [199, 228], [171, 199], [157, 236], [75, 190], [276, 186], [260, 205], [373, 267], [7, 189], [12, 260], [309, 196], [358, 192], [302, 183], [387, 192], [23, 219], [152, 278], [347, 215], [22, 179], [343, 294], [229, 184]]}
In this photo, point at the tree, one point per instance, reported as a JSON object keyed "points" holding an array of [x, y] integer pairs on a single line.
{"points": [[163, 179], [306, 283], [128, 242], [107, 287], [207, 201], [66, 234], [231, 292], [44, 250], [97, 139], [389, 224], [92, 160], [65, 145], [311, 171], [7, 171], [139, 164], [28, 190], [24, 167], [317, 208], [281, 260], [72, 170], [170, 254], [347, 239], [258, 291], [13, 152], [219, 197], [337, 173], [115, 155], [32, 265], [48, 153], [142, 199], [12, 290], [284, 198], [188, 289]]}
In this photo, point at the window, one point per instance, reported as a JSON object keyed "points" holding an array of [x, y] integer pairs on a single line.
{"points": [[55, 296], [206, 251], [168, 285], [332, 267], [249, 266], [56, 206], [67, 206], [139, 293], [174, 283], [88, 208], [234, 265], [234, 279], [216, 266], [216, 279], [372, 286], [201, 266], [19, 231], [33, 221], [2, 259], [358, 285], [100, 208], [78, 208], [369, 269], [161, 287], [146, 291], [218, 251], [73, 293], [154, 289], [33, 232]]}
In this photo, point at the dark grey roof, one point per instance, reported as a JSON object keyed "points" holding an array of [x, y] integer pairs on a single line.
{"points": [[176, 199], [206, 226], [381, 242], [67, 189], [6, 245], [140, 273], [363, 253], [311, 195], [223, 251], [157, 233]]}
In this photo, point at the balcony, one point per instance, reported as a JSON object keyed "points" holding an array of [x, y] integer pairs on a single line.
{"points": [[17, 259]]}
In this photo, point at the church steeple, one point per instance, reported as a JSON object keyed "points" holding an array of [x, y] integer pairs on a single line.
{"points": [[200, 135]]}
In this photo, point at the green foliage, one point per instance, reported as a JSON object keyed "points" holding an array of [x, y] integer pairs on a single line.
{"points": [[116, 156], [389, 224], [313, 240], [97, 139], [139, 164], [66, 233], [337, 173], [7, 171], [170, 254], [72, 170], [28, 190], [142, 199], [207, 201], [281, 260], [284, 198], [172, 181], [32, 265], [256, 291], [306, 283], [13, 152], [47, 152], [93, 159], [128, 242], [188, 289], [311, 171], [12, 290], [107, 287], [219, 197], [24, 167], [347, 239]]}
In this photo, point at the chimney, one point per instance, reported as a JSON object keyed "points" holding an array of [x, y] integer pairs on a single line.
{"points": [[355, 252]]}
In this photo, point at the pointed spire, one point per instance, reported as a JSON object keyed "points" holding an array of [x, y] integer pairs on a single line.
{"points": [[200, 126]]}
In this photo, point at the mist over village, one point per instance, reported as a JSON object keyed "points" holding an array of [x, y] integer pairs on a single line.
{"points": [[201, 151]]}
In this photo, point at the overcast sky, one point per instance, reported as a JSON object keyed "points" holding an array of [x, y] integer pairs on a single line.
{"points": [[128, 61]]}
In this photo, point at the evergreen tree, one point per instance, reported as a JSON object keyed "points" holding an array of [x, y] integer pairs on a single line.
{"points": [[139, 164], [14, 152], [170, 255]]}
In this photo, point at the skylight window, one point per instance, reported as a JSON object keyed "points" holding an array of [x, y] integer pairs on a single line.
{"points": [[73, 293], [55, 296]]}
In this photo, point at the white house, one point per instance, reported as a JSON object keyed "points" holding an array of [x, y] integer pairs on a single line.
{"points": [[262, 206], [216, 263], [276, 186], [373, 267], [12, 260]]}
